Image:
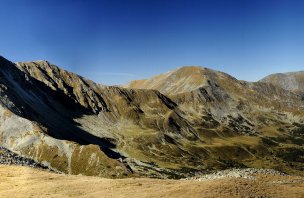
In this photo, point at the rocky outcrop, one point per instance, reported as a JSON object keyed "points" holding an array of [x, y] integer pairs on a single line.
{"points": [[9, 158], [246, 173]]}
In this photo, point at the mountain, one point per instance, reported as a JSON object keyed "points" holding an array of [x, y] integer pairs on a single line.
{"points": [[177, 81], [174, 125], [292, 81], [37, 122]]}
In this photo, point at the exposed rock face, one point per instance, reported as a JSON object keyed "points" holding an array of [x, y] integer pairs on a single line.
{"points": [[191, 119]]}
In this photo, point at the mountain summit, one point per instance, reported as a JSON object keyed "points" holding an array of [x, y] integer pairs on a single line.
{"points": [[184, 79], [189, 120], [292, 81]]}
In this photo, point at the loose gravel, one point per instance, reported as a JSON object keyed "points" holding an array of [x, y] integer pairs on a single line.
{"points": [[247, 173], [8, 157]]}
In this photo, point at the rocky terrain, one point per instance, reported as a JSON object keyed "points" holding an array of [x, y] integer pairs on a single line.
{"points": [[9, 158], [246, 173], [186, 122]]}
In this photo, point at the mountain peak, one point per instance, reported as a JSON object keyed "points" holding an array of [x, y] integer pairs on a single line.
{"points": [[291, 81], [191, 68], [182, 79]]}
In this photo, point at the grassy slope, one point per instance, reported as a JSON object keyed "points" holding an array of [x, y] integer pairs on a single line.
{"points": [[28, 182]]}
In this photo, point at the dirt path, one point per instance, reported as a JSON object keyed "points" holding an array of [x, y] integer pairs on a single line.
{"points": [[28, 182]]}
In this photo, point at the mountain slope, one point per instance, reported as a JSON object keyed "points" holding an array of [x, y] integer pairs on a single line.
{"points": [[28, 182], [71, 108], [292, 81], [262, 117], [37, 123], [198, 119]]}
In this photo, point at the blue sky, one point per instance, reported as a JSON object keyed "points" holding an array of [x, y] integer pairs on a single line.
{"points": [[115, 41]]}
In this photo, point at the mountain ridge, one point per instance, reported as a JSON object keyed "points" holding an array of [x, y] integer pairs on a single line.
{"points": [[189, 78], [292, 81], [197, 124]]}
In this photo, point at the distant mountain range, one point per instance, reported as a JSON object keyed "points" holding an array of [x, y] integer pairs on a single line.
{"points": [[176, 124]]}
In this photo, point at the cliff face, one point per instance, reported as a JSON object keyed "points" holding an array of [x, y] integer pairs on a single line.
{"points": [[188, 120]]}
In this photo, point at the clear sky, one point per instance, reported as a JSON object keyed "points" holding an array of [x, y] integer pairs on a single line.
{"points": [[115, 41]]}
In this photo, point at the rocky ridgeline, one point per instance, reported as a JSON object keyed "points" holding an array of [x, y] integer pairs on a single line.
{"points": [[7, 157], [248, 173]]}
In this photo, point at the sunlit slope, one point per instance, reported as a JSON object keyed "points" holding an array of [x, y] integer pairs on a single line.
{"points": [[292, 81], [27, 182]]}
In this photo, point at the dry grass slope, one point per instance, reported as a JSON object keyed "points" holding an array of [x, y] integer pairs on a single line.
{"points": [[27, 182]]}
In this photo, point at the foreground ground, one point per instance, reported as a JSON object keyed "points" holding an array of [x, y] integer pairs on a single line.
{"points": [[17, 181]]}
